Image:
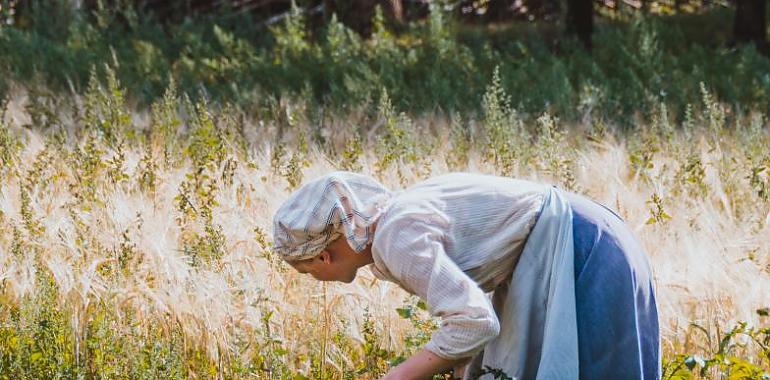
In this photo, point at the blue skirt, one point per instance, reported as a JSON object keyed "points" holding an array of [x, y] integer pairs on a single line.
{"points": [[618, 333]]}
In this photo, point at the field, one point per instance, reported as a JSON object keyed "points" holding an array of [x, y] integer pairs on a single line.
{"points": [[140, 246], [135, 230]]}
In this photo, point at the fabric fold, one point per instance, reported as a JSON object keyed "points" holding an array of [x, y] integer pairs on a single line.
{"points": [[536, 308]]}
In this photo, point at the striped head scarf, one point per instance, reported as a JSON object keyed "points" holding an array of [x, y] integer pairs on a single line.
{"points": [[339, 203]]}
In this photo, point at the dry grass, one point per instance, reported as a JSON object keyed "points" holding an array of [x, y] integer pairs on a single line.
{"points": [[129, 248]]}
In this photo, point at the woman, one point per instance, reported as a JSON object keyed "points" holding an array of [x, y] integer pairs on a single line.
{"points": [[572, 291]]}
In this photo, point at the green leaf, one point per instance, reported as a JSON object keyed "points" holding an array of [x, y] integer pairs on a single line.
{"points": [[397, 360], [405, 313]]}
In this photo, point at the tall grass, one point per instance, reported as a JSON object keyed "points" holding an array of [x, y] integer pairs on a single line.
{"points": [[135, 243]]}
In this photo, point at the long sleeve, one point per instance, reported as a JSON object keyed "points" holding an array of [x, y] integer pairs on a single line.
{"points": [[409, 246]]}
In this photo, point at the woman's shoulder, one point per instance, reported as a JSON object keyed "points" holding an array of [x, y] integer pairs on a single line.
{"points": [[469, 183], [405, 231], [408, 212], [432, 200]]}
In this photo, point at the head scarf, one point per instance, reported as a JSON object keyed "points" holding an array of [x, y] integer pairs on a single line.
{"points": [[339, 203]]}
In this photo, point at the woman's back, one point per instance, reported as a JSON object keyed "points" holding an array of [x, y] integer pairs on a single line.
{"points": [[483, 220]]}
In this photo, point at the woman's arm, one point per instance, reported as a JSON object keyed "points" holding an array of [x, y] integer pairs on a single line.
{"points": [[422, 365], [412, 250]]}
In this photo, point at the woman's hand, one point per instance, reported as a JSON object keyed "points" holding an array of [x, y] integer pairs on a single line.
{"points": [[422, 365], [459, 370]]}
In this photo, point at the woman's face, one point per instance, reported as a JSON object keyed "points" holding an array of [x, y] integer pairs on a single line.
{"points": [[335, 263]]}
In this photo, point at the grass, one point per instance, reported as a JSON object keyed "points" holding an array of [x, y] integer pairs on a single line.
{"points": [[134, 243], [140, 166]]}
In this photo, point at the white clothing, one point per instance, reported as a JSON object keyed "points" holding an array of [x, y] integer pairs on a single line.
{"points": [[338, 203], [450, 240]]}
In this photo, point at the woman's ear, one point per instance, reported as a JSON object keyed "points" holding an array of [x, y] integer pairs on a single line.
{"points": [[325, 256]]}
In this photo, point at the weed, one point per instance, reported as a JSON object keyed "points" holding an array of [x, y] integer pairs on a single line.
{"points": [[642, 156], [414, 311], [31, 224], [723, 361], [105, 108], [692, 174], [504, 130], [461, 144], [714, 112], [553, 160], [351, 155], [657, 214], [376, 359], [9, 144], [759, 179], [147, 172], [397, 145], [165, 121]]}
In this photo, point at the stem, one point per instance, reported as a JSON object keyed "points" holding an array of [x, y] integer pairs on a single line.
{"points": [[325, 332]]}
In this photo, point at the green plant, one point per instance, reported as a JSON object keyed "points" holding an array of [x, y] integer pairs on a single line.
{"points": [[414, 310], [35, 337], [723, 359], [496, 373], [291, 37], [551, 154], [165, 121], [759, 179], [714, 111], [504, 129], [397, 145], [293, 170], [657, 213], [642, 155], [461, 144], [376, 359], [206, 148], [42, 108], [691, 175], [352, 154], [147, 172], [88, 166], [9, 144], [105, 108], [33, 227], [272, 359], [115, 170]]}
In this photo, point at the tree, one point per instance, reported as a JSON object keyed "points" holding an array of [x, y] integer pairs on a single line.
{"points": [[357, 15], [751, 23], [580, 20]]}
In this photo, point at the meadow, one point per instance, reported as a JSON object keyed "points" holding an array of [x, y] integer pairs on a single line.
{"points": [[135, 233]]}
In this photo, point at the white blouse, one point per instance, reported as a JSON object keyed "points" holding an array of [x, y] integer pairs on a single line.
{"points": [[451, 239]]}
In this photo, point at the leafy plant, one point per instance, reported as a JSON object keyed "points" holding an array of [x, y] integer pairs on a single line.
{"points": [[657, 213], [504, 130]]}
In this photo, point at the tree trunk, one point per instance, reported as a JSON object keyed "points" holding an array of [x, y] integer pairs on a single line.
{"points": [[357, 15], [498, 10], [580, 21], [750, 23]]}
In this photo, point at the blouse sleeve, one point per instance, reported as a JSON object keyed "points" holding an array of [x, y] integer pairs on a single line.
{"points": [[412, 250]]}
